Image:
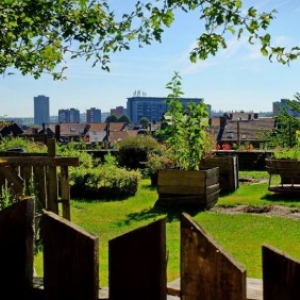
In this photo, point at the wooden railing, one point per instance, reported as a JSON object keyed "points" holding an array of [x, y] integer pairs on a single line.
{"points": [[48, 173]]}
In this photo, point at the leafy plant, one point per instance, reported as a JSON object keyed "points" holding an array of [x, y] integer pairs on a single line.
{"points": [[133, 151], [158, 161], [286, 139], [184, 129], [105, 181], [50, 31]]}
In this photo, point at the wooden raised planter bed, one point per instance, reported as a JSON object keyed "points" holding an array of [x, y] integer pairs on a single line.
{"points": [[228, 171], [188, 188], [289, 172]]}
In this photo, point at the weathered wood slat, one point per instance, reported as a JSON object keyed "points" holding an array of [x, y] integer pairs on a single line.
{"points": [[137, 264], [65, 192], [228, 171], [38, 161], [191, 190], [41, 186], [16, 250], [52, 189], [13, 179], [281, 275], [207, 271], [175, 177], [71, 260]]}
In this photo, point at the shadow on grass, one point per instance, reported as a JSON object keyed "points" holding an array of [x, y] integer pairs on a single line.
{"points": [[170, 213], [279, 197]]}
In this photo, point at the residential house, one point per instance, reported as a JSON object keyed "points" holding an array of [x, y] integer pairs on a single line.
{"points": [[9, 129], [250, 132], [96, 133]]}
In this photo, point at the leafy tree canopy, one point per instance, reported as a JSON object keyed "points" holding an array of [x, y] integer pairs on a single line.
{"points": [[125, 119], [111, 119], [38, 36], [144, 121]]}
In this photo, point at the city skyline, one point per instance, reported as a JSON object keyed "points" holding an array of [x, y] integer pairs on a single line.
{"points": [[237, 78]]}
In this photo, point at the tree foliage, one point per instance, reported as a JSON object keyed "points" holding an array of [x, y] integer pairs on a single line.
{"points": [[39, 36], [144, 121], [125, 119], [185, 130], [111, 119]]}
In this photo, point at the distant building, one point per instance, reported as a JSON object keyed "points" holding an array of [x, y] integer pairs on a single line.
{"points": [[93, 115], [283, 104], [71, 115], [153, 108], [63, 115], [74, 115], [41, 109], [118, 111]]}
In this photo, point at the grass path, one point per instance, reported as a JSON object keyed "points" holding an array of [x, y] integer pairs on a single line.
{"points": [[242, 235]]}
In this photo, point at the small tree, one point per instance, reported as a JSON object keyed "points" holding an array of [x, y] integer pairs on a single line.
{"points": [[144, 121], [125, 119], [185, 131], [111, 119]]}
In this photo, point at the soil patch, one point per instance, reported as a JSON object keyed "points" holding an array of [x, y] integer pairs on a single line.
{"points": [[270, 210]]}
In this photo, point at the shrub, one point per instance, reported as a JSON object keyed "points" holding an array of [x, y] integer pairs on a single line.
{"points": [[85, 159], [133, 151], [106, 181], [18, 142]]}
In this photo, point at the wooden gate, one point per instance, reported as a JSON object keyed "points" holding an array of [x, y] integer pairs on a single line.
{"points": [[71, 263], [48, 172]]}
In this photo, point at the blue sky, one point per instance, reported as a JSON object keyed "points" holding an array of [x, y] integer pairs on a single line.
{"points": [[237, 78]]}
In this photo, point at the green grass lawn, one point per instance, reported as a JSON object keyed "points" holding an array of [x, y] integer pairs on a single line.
{"points": [[242, 235]]}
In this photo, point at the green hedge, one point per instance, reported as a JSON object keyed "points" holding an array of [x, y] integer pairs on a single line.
{"points": [[103, 182]]}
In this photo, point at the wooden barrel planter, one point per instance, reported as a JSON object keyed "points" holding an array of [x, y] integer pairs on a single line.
{"points": [[289, 172], [188, 188], [228, 171]]}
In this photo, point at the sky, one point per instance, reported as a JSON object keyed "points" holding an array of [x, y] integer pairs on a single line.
{"points": [[237, 78]]}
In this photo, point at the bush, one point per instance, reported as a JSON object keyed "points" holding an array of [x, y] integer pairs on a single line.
{"points": [[103, 182], [18, 142], [133, 151]]}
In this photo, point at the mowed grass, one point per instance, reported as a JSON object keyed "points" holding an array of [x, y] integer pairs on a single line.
{"points": [[241, 235]]}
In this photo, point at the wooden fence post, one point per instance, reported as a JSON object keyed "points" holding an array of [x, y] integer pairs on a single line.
{"points": [[16, 250], [137, 264], [207, 271], [281, 275], [52, 179], [71, 260]]}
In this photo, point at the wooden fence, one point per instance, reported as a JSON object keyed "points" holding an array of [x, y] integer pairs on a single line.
{"points": [[137, 263], [48, 172]]}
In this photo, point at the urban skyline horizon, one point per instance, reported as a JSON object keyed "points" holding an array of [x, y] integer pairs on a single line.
{"points": [[239, 77]]}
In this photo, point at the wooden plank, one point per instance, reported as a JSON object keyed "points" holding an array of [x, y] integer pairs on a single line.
{"points": [[207, 271], [71, 260], [167, 177], [16, 250], [15, 161], [51, 144], [52, 190], [40, 186], [137, 264], [228, 171], [212, 179], [65, 193], [181, 190], [191, 190], [13, 179], [281, 275]]}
